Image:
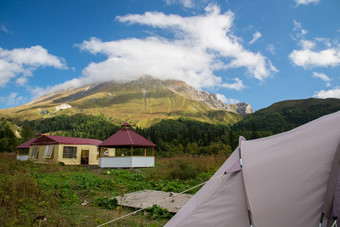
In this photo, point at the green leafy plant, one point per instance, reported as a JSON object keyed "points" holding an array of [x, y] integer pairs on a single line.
{"points": [[108, 203], [156, 212]]}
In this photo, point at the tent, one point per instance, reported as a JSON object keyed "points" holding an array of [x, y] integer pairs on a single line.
{"points": [[289, 179]]}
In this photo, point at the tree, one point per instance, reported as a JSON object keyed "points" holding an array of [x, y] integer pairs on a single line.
{"points": [[27, 132], [8, 140], [254, 134]]}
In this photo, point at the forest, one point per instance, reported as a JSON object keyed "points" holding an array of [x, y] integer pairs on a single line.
{"points": [[177, 137], [173, 137]]}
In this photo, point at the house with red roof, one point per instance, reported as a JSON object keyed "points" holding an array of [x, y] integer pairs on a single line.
{"points": [[68, 150], [126, 138]]}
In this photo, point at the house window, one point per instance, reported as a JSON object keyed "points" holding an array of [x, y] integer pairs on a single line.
{"points": [[70, 152], [35, 153], [48, 151]]}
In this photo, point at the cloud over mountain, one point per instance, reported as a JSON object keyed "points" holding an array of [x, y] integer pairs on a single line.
{"points": [[23, 61], [201, 46]]}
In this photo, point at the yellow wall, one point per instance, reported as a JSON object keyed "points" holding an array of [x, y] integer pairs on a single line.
{"points": [[112, 152], [57, 155]]}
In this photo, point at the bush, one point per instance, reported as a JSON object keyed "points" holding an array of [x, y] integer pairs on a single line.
{"points": [[183, 170], [156, 212], [61, 163], [108, 203]]}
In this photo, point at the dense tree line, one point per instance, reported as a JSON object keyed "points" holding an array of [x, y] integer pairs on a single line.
{"points": [[272, 122], [8, 141], [184, 136], [78, 125], [172, 137]]}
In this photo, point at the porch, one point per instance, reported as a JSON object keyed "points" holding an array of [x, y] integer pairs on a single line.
{"points": [[126, 162]]}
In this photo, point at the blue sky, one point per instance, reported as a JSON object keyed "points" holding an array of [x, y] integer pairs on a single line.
{"points": [[258, 51]]}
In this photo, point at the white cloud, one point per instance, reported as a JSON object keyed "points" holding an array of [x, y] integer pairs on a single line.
{"points": [[202, 44], [131, 58], [226, 100], [271, 48], [319, 52], [307, 44], [24, 61], [238, 85], [256, 36], [74, 83], [309, 58], [3, 28], [332, 93], [8, 71], [12, 100], [22, 80], [321, 76], [185, 3], [299, 31], [306, 2]]}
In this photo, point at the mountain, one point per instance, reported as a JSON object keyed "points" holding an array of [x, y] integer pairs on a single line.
{"points": [[286, 115], [141, 102]]}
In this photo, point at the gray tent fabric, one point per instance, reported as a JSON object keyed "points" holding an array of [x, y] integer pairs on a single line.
{"points": [[283, 179], [335, 209]]}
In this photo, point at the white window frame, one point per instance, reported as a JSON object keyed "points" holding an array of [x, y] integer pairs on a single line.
{"points": [[48, 151], [35, 153]]}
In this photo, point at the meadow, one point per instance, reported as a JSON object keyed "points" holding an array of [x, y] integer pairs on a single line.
{"points": [[58, 195]]}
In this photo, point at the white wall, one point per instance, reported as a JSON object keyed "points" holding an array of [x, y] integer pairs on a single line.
{"points": [[126, 162], [23, 157]]}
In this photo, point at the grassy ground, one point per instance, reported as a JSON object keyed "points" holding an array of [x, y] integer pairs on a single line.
{"points": [[57, 192]]}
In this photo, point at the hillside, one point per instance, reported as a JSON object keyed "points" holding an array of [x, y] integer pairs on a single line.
{"points": [[286, 115], [142, 102]]}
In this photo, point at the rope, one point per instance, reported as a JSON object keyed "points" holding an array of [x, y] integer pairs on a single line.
{"points": [[334, 224], [149, 205]]}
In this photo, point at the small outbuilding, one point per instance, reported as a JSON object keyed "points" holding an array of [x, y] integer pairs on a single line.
{"points": [[68, 150], [126, 138]]}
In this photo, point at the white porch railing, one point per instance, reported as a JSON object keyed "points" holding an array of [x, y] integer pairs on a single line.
{"points": [[22, 157], [126, 162]]}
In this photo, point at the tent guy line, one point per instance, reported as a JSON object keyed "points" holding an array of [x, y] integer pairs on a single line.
{"points": [[163, 200]]}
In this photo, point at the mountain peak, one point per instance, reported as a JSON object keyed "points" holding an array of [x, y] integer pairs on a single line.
{"points": [[146, 81]]}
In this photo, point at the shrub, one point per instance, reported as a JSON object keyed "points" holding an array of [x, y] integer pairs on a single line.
{"points": [[108, 203], [183, 170], [156, 212]]}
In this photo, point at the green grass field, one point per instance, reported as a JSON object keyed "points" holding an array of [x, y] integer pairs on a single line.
{"points": [[57, 192]]}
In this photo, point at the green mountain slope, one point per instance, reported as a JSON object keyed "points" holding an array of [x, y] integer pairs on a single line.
{"points": [[286, 115], [143, 103]]}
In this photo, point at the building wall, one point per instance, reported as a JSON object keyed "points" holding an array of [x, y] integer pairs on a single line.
{"points": [[41, 159], [57, 155], [111, 152]]}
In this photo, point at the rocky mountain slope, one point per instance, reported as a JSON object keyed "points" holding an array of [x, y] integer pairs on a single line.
{"points": [[142, 102]]}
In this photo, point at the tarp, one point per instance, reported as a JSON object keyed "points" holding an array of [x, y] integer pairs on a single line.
{"points": [[282, 182]]}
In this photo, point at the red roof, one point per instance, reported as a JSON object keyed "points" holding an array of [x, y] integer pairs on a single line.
{"points": [[125, 124], [27, 144], [46, 140], [126, 137]]}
